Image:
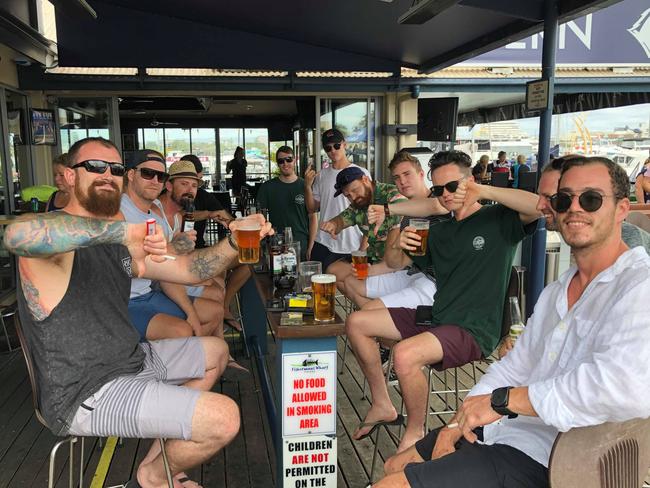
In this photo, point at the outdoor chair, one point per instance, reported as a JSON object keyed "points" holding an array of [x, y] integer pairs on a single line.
{"points": [[5, 313], [610, 455], [71, 439]]}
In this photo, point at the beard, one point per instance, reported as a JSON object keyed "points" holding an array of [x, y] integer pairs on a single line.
{"points": [[181, 199], [101, 204], [364, 201]]}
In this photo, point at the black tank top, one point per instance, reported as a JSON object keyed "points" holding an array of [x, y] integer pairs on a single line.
{"points": [[88, 339]]}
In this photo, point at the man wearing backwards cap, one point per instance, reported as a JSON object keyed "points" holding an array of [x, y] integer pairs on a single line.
{"points": [[168, 312], [319, 195], [353, 183]]}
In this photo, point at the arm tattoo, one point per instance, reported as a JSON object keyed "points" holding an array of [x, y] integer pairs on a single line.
{"points": [[207, 263], [33, 300], [182, 244], [58, 232]]}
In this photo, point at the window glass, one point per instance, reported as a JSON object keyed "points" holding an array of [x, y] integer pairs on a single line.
{"points": [[205, 148], [257, 153], [229, 139], [83, 117], [177, 144], [154, 139]]}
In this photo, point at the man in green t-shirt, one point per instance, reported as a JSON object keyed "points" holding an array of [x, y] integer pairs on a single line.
{"points": [[361, 192], [471, 256], [284, 197]]}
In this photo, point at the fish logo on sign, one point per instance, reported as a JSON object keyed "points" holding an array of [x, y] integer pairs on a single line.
{"points": [[641, 31]]}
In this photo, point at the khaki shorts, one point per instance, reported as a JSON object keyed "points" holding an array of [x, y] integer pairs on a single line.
{"points": [[150, 403]]}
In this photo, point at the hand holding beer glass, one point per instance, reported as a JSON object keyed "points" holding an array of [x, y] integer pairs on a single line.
{"points": [[324, 290], [360, 264], [248, 233], [421, 227], [410, 240]]}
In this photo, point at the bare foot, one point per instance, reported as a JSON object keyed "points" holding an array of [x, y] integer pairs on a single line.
{"points": [[409, 439], [375, 414]]}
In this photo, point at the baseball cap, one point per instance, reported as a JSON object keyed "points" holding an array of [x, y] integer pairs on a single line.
{"points": [[183, 169], [139, 157], [345, 177], [332, 136]]}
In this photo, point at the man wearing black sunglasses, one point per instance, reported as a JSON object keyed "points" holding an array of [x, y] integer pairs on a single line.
{"points": [[320, 196], [471, 255], [173, 310], [94, 377], [284, 197], [581, 360]]}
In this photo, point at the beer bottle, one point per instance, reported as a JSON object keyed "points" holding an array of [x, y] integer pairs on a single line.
{"points": [[188, 214], [275, 254], [516, 324]]}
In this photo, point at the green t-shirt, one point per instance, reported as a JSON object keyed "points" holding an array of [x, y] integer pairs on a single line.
{"points": [[286, 205], [472, 259], [383, 193]]}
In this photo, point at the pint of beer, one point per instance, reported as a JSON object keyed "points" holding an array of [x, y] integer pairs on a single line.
{"points": [[248, 241], [324, 289], [360, 263], [421, 229]]}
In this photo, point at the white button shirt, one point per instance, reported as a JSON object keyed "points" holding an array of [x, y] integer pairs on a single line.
{"points": [[583, 366]]}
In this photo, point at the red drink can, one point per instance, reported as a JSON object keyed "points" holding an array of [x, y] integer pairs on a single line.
{"points": [[151, 227]]}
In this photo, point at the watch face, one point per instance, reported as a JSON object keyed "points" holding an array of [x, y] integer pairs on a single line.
{"points": [[500, 397]]}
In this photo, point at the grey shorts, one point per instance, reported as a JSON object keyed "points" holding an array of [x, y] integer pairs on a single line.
{"points": [[151, 403]]}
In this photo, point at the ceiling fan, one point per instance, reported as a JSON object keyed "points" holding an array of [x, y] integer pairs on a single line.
{"points": [[156, 123]]}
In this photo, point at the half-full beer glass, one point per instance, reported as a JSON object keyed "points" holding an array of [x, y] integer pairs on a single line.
{"points": [[360, 263], [421, 229], [324, 289], [248, 242]]}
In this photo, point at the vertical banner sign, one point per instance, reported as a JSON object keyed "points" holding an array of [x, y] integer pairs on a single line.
{"points": [[309, 393], [309, 461]]}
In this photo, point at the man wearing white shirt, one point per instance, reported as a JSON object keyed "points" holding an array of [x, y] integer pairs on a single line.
{"points": [[319, 195], [582, 359]]}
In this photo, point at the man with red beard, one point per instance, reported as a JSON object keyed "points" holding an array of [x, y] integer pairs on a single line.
{"points": [[361, 192], [94, 377]]}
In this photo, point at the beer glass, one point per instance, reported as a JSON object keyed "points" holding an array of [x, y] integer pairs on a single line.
{"points": [[360, 263], [248, 242], [305, 271], [421, 229], [324, 289]]}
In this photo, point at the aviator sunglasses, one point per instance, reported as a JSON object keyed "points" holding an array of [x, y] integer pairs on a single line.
{"points": [[288, 159], [98, 166], [150, 174], [328, 147], [589, 200], [451, 187]]}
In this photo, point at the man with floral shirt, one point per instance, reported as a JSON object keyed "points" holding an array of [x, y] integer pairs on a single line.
{"points": [[361, 192]]}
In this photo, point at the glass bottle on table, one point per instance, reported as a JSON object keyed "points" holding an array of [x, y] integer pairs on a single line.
{"points": [[188, 214]]}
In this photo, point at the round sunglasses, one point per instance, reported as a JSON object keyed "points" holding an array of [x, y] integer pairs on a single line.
{"points": [[150, 174], [589, 200], [99, 167], [328, 147]]}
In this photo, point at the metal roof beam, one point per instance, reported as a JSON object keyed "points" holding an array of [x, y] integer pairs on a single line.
{"points": [[532, 10]]}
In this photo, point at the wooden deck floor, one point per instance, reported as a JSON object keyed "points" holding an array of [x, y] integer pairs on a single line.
{"points": [[248, 462]]}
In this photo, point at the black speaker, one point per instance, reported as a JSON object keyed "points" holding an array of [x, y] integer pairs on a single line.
{"points": [[437, 119]]}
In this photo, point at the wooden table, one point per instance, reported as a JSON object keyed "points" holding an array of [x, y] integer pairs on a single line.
{"points": [[305, 386]]}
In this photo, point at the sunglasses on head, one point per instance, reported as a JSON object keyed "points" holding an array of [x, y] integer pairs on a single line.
{"points": [[150, 174], [451, 187], [589, 200], [328, 147], [288, 159], [98, 166]]}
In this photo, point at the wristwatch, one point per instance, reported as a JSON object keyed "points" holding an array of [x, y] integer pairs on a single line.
{"points": [[386, 210], [499, 401]]}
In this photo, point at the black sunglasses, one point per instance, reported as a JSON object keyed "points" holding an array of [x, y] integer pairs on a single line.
{"points": [[451, 187], [328, 147], [288, 159], [98, 166], [589, 200], [150, 174]]}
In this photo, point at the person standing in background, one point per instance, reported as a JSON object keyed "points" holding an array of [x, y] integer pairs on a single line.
{"points": [[60, 197], [238, 167]]}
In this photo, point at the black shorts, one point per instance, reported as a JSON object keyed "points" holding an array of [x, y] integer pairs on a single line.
{"points": [[495, 466], [324, 255]]}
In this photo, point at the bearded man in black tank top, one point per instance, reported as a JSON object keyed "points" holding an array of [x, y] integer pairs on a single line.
{"points": [[75, 269]]}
